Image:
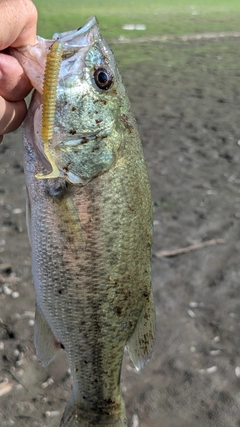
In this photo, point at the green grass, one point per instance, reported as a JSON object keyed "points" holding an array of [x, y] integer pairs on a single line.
{"points": [[160, 16], [176, 56]]}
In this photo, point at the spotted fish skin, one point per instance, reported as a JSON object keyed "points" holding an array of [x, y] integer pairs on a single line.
{"points": [[90, 230]]}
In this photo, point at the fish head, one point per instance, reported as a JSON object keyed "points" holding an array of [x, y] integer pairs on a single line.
{"points": [[89, 102]]}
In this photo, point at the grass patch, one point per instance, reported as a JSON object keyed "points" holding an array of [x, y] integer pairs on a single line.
{"points": [[182, 59], [160, 16]]}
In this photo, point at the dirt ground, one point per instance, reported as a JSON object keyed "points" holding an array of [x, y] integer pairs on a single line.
{"points": [[187, 107]]}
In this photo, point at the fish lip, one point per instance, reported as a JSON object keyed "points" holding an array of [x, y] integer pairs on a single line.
{"points": [[83, 37], [68, 37]]}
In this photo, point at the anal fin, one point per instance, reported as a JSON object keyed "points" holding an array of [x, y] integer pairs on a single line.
{"points": [[140, 344], [44, 339]]}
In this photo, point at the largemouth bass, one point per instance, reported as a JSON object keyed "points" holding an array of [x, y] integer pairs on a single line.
{"points": [[89, 220]]}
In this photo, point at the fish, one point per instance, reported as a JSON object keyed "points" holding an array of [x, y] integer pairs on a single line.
{"points": [[89, 220]]}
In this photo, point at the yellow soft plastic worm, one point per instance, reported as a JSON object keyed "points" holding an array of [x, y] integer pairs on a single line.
{"points": [[50, 82]]}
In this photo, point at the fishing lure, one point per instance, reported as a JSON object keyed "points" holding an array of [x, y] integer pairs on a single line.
{"points": [[52, 69]]}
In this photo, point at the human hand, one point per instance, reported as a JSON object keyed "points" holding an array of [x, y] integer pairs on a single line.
{"points": [[18, 21]]}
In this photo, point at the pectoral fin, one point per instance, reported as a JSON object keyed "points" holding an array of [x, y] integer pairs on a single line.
{"points": [[44, 340], [140, 344]]}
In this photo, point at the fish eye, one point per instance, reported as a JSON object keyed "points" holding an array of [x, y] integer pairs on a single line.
{"points": [[103, 78]]}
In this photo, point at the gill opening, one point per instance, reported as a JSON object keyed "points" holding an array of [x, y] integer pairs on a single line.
{"points": [[50, 82]]}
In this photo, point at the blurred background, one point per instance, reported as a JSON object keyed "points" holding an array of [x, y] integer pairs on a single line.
{"points": [[180, 64], [161, 17]]}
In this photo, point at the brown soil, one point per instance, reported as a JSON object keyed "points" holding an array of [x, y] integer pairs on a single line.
{"points": [[188, 117]]}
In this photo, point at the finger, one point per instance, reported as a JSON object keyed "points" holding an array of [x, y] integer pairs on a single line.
{"points": [[14, 84], [11, 115], [18, 21]]}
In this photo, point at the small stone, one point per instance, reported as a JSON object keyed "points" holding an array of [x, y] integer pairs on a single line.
{"points": [[17, 211], [50, 381], [52, 414], [30, 314], [135, 420], [215, 352], [7, 290], [15, 294], [18, 387], [193, 304], [17, 316], [210, 370], [191, 313], [20, 362]]}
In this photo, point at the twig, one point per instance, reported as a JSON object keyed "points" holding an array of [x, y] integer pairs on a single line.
{"points": [[5, 387], [180, 251]]}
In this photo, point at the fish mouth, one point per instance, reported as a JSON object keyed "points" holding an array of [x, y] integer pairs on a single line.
{"points": [[83, 36], [69, 36]]}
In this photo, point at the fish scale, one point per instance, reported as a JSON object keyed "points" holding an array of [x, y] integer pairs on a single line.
{"points": [[90, 228]]}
